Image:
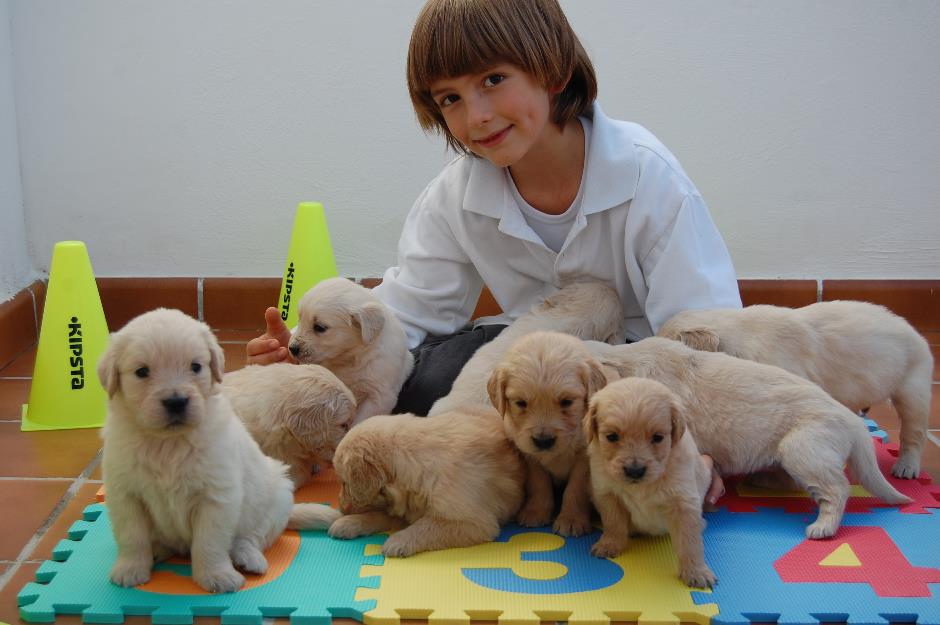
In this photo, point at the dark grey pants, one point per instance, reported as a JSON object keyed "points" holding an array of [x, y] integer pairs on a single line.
{"points": [[438, 360]]}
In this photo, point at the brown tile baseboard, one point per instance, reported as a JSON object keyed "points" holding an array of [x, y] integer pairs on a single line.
{"points": [[239, 303], [18, 322], [125, 298], [918, 301]]}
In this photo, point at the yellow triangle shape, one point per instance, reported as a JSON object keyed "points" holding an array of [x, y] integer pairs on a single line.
{"points": [[841, 556]]}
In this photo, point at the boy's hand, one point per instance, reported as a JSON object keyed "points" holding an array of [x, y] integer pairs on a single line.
{"points": [[271, 346]]}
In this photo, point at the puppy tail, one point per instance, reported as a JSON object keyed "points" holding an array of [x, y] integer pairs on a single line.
{"points": [[311, 516], [864, 467]]}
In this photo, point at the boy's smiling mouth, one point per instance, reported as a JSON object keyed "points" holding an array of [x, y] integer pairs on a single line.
{"points": [[493, 139]]}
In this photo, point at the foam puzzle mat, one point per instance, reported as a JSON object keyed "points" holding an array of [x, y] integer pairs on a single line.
{"points": [[883, 566]]}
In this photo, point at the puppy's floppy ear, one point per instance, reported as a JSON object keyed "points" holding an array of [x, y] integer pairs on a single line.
{"points": [[108, 372], [370, 319], [216, 355], [589, 423], [592, 376], [677, 411], [365, 472], [496, 388], [702, 339]]}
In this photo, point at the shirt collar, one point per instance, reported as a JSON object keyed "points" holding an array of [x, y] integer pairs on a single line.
{"points": [[611, 179]]}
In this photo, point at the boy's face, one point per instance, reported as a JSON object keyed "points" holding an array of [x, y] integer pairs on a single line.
{"points": [[499, 114]]}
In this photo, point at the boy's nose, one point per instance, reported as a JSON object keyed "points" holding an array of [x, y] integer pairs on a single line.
{"points": [[479, 111]]}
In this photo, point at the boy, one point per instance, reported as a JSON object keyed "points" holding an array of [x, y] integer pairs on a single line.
{"points": [[546, 187]]}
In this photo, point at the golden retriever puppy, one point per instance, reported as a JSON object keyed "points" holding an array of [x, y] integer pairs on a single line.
{"points": [[646, 473], [750, 417], [182, 473], [587, 309], [296, 413], [857, 352], [449, 481], [344, 327], [543, 400]]}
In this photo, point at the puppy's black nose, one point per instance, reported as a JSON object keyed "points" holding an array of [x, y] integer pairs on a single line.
{"points": [[294, 349], [544, 441], [175, 405], [634, 472]]}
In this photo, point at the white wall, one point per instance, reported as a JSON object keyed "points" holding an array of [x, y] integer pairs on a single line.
{"points": [[175, 138], [16, 270]]}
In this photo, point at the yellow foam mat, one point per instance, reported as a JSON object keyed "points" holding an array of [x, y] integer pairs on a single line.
{"points": [[445, 587]]}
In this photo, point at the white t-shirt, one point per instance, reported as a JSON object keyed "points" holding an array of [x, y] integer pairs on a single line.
{"points": [[552, 229]]}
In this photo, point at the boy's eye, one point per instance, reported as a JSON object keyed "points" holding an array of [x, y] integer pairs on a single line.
{"points": [[143, 372], [319, 328], [657, 438], [613, 437], [196, 367], [447, 100], [493, 79]]}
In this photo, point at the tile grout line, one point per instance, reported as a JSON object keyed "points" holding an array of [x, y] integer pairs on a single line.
{"points": [[70, 493], [936, 441]]}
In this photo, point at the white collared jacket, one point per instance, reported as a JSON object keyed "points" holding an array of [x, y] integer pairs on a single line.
{"points": [[642, 227]]}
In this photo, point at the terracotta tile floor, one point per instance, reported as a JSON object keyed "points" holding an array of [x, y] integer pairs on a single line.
{"points": [[47, 478]]}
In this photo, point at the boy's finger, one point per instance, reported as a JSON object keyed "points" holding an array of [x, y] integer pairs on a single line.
{"points": [[261, 345], [268, 358], [272, 320]]}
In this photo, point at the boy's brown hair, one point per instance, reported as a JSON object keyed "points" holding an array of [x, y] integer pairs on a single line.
{"points": [[456, 37]]}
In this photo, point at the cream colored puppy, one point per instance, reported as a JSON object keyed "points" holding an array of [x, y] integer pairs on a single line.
{"points": [[543, 400], [586, 309], [646, 473], [183, 475], [857, 352], [296, 413], [344, 327], [750, 417], [449, 481]]}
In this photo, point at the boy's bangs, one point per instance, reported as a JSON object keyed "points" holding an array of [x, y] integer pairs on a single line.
{"points": [[461, 40]]}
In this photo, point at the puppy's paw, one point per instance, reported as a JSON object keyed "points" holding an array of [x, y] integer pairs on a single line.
{"points": [[609, 547], [698, 576], [223, 579], [128, 573], [249, 558], [907, 467], [347, 527], [534, 514], [573, 525], [822, 528], [399, 545]]}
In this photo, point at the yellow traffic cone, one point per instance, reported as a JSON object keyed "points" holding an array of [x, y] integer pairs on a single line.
{"points": [[65, 392], [309, 260]]}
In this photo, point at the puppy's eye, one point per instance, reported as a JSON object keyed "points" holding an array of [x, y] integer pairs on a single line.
{"points": [[143, 372], [319, 328], [565, 403], [613, 437], [521, 403], [657, 438], [196, 367]]}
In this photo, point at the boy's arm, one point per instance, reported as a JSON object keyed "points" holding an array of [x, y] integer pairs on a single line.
{"points": [[435, 287], [689, 267]]}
